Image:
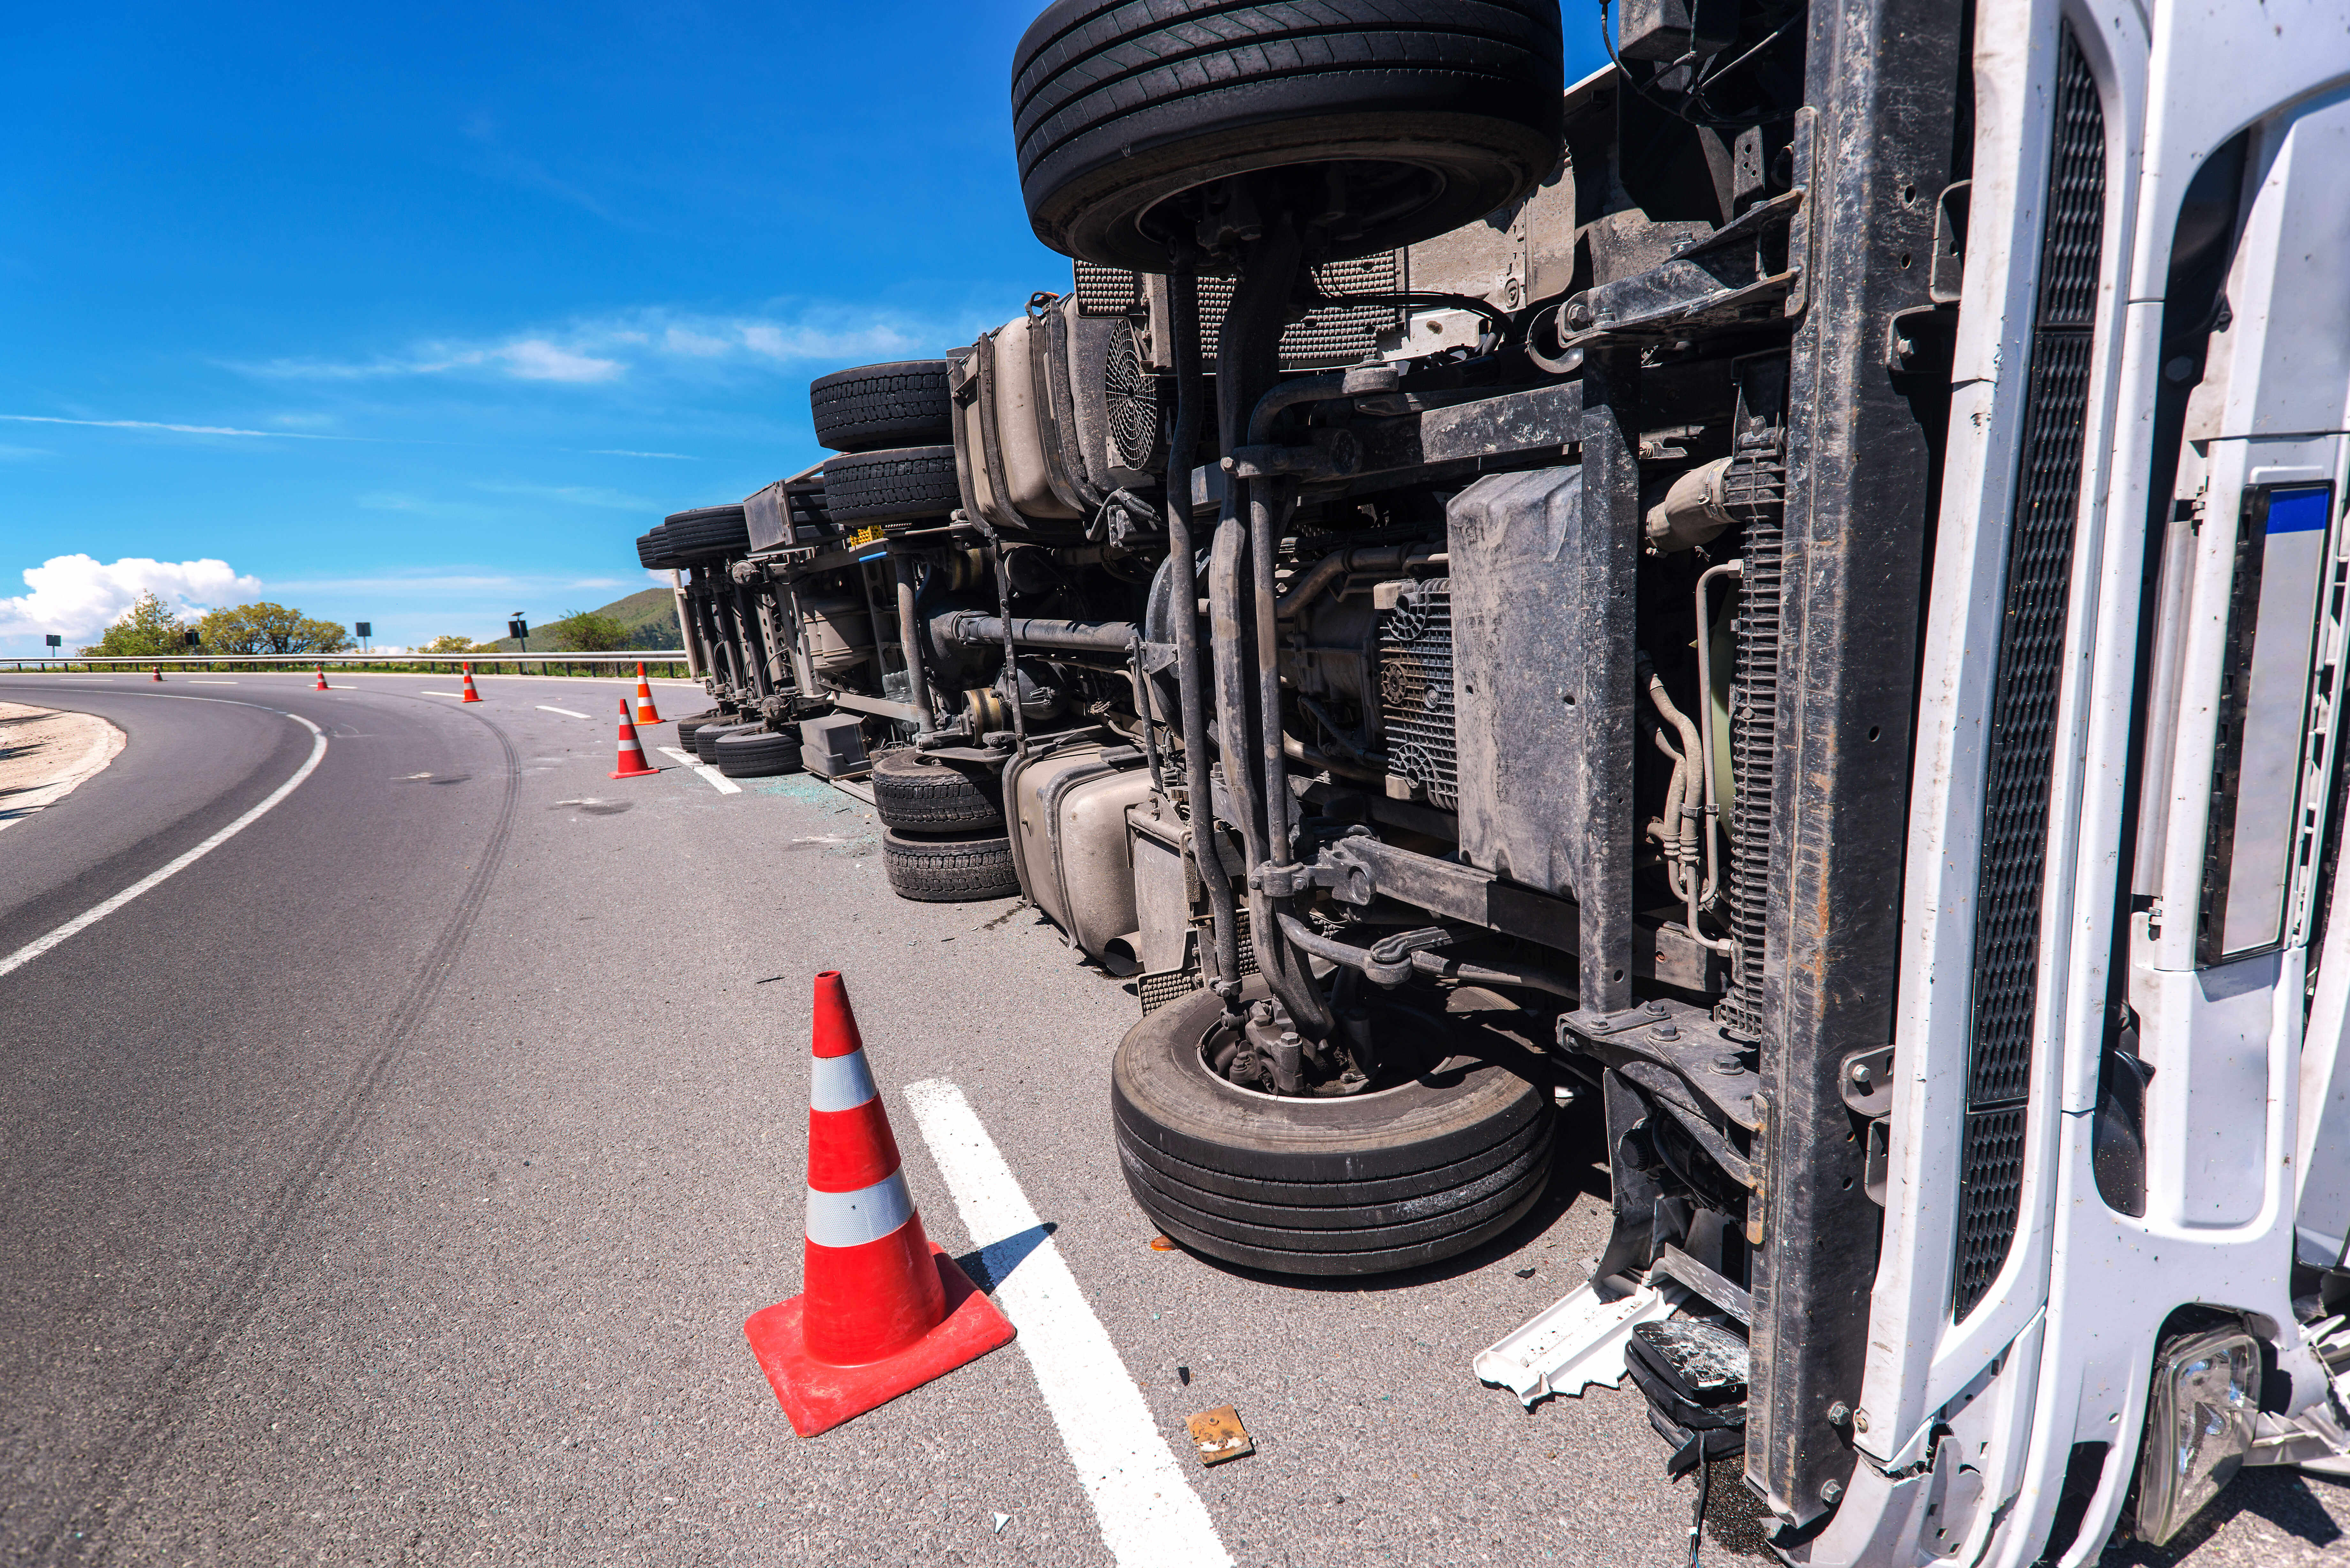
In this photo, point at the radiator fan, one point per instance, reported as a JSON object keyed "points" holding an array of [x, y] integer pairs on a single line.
{"points": [[1134, 396]]}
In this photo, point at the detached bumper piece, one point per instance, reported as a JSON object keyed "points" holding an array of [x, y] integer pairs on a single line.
{"points": [[1693, 1371]]}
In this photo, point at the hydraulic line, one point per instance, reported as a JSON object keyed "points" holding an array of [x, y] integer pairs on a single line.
{"points": [[1243, 356], [1183, 319]]}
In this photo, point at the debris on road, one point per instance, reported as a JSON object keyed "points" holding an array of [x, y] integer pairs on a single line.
{"points": [[1162, 1244], [1221, 1436], [1001, 1521]]}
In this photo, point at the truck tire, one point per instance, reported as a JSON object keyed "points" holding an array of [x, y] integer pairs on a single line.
{"points": [[756, 755], [686, 728], [886, 486], [706, 739], [875, 406], [949, 870], [653, 552], [923, 794], [707, 531], [1392, 1178], [1437, 112]]}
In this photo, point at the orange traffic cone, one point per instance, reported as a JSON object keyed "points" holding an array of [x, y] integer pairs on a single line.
{"points": [[631, 764], [883, 1308], [646, 712], [470, 695], [322, 677], [158, 675]]}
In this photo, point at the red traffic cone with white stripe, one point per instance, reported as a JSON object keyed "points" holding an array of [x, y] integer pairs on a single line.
{"points": [[631, 764], [158, 673], [646, 712], [470, 695], [883, 1309], [322, 677]]}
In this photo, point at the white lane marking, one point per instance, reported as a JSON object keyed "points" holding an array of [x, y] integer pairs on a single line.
{"points": [[546, 709], [1150, 1516], [91, 917], [709, 775], [440, 693]]}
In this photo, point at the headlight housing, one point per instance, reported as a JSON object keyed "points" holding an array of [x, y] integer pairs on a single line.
{"points": [[2199, 1425]]}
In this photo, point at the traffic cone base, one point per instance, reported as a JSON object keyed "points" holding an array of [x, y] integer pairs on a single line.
{"points": [[817, 1395]]}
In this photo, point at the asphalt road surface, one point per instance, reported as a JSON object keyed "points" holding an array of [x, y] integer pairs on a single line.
{"points": [[389, 1184]]}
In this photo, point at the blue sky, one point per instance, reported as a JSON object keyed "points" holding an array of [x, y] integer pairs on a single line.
{"points": [[459, 266], [421, 315]]}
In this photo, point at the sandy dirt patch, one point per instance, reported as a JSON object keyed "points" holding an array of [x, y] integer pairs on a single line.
{"points": [[44, 753]]}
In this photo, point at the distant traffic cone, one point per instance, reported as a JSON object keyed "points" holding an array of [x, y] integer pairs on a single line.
{"points": [[470, 695], [322, 677], [631, 764], [158, 675], [883, 1308], [646, 712]]}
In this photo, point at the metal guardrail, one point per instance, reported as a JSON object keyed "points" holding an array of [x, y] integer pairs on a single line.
{"points": [[481, 664]]}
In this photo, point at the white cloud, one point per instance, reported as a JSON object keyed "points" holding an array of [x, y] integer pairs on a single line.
{"points": [[158, 425], [576, 494], [19, 454], [599, 349], [78, 597]]}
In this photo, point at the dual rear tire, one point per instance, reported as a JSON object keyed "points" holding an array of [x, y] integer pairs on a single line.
{"points": [[943, 840]]}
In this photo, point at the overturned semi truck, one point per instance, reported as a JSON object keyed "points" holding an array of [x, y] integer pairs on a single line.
{"points": [[1775, 613]]}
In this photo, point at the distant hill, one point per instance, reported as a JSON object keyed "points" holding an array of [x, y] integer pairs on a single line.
{"points": [[650, 618]]}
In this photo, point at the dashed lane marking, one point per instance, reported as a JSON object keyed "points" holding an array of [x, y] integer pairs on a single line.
{"points": [[709, 775], [91, 917], [1149, 1515], [544, 708]]}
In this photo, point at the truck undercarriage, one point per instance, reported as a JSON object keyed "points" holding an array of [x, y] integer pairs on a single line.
{"points": [[1679, 615]]}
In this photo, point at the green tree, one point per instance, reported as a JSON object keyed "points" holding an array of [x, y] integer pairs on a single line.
{"points": [[588, 631], [266, 627], [148, 629], [450, 642]]}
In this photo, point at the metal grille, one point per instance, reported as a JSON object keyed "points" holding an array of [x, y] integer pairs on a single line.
{"points": [[1756, 492], [1107, 290], [1415, 690], [1133, 396], [1333, 335], [2021, 750], [1156, 991], [1991, 1189]]}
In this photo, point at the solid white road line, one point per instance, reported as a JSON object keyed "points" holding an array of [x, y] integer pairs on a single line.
{"points": [[565, 712], [91, 917], [440, 693], [709, 775], [1150, 1516]]}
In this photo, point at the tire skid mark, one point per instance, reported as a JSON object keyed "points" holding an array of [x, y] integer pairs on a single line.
{"points": [[87, 1535]]}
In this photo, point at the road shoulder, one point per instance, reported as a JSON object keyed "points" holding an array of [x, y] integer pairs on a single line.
{"points": [[46, 753]]}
